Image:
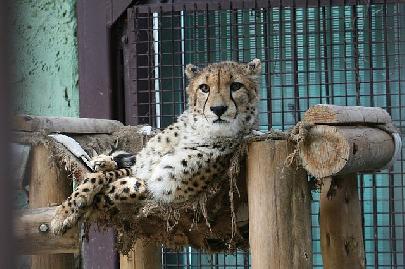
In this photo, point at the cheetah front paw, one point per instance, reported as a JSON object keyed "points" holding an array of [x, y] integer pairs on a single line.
{"points": [[103, 163], [63, 220]]}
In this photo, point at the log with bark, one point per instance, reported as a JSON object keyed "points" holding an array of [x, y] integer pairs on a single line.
{"points": [[338, 142], [347, 139], [337, 150]]}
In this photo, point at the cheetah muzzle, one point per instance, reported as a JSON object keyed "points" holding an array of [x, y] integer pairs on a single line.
{"points": [[184, 159]]}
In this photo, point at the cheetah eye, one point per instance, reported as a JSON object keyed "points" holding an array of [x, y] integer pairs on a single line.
{"points": [[204, 88], [235, 86]]}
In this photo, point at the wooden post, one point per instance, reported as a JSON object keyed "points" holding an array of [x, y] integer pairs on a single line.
{"points": [[360, 139], [279, 208], [340, 221], [48, 186], [145, 255]]}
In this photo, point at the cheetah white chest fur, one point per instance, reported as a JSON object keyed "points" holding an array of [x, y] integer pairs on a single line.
{"points": [[183, 160]]}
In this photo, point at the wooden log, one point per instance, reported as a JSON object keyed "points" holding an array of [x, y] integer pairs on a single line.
{"points": [[279, 208], [33, 237], [145, 255], [338, 150], [340, 221], [346, 115], [48, 186], [65, 125]]}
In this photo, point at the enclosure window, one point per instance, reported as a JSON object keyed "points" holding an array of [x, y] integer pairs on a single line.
{"points": [[351, 54]]}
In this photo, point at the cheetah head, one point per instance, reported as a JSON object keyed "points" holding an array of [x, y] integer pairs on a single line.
{"points": [[223, 96]]}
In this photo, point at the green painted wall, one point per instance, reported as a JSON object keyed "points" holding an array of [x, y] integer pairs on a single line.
{"points": [[46, 63]]}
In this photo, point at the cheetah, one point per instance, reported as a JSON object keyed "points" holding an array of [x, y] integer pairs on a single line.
{"points": [[184, 159]]}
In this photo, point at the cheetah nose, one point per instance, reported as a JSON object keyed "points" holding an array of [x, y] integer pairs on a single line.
{"points": [[219, 110]]}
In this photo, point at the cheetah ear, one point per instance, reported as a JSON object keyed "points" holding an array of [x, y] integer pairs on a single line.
{"points": [[191, 71], [254, 67]]}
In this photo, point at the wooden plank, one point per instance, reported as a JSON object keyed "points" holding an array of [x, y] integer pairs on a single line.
{"points": [[346, 115], [65, 125], [145, 255], [33, 237], [337, 150], [48, 186], [279, 208], [340, 222]]}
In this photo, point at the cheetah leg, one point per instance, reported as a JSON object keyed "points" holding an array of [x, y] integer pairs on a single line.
{"points": [[68, 213], [124, 190]]}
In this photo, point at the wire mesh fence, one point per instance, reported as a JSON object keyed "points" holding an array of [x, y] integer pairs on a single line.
{"points": [[336, 52], [194, 259]]}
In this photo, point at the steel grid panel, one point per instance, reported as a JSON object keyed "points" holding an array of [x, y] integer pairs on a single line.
{"points": [[336, 52]]}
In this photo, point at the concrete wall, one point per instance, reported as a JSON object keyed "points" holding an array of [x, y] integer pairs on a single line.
{"points": [[46, 66]]}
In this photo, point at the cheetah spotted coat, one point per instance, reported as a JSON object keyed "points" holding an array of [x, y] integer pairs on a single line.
{"points": [[185, 158]]}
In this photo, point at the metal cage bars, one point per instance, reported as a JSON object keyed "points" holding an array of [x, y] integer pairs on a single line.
{"points": [[339, 52]]}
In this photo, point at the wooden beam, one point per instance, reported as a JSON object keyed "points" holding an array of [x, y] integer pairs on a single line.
{"points": [[340, 221], [145, 255], [341, 115], [48, 186], [279, 208], [33, 237], [65, 125], [338, 150]]}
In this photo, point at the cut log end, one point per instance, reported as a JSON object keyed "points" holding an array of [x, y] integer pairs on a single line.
{"points": [[332, 150], [324, 152]]}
